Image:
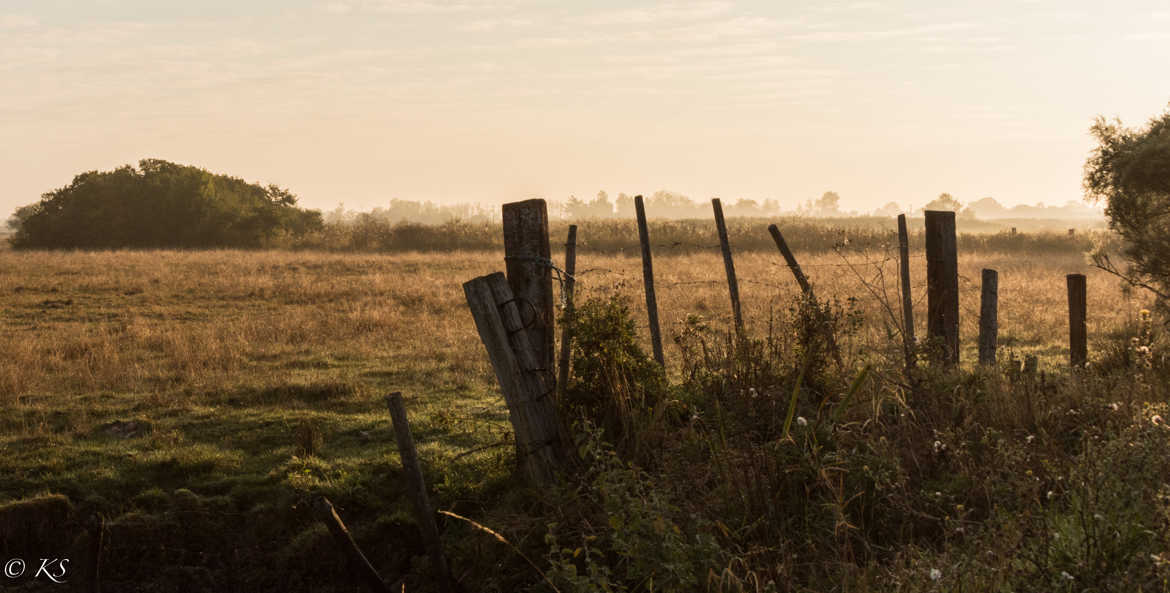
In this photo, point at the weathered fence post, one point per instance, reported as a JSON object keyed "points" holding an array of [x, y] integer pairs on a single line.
{"points": [[1031, 364], [96, 529], [327, 514], [529, 267], [790, 259], [526, 385], [567, 328], [417, 490], [648, 280], [942, 283], [907, 301], [988, 317], [1078, 350], [728, 265]]}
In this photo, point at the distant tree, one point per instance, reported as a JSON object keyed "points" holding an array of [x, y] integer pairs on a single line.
{"points": [[601, 207], [744, 207], [624, 206], [829, 204], [987, 208], [160, 204], [890, 209], [576, 208], [944, 201], [1130, 170]]}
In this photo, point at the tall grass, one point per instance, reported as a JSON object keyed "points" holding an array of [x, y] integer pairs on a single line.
{"points": [[686, 236]]}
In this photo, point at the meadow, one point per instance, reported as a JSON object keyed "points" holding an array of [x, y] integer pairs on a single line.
{"points": [[197, 399]]}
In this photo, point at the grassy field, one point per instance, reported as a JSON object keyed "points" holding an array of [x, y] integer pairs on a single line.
{"points": [[196, 399]]}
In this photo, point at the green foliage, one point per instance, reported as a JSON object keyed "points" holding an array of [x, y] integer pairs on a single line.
{"points": [[613, 384], [160, 204], [631, 536], [1130, 170]]}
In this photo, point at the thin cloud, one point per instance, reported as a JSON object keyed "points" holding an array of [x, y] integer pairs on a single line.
{"points": [[489, 25], [17, 21], [881, 34], [662, 12]]}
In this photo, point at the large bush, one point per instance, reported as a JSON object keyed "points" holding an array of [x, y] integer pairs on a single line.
{"points": [[160, 204], [1130, 170]]}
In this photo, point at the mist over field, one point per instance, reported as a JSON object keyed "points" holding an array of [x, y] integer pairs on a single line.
{"points": [[650, 296]]}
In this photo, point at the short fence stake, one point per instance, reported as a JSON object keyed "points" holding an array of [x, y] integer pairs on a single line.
{"points": [[648, 279], [942, 283], [526, 254], [417, 489], [328, 515], [567, 327], [782, 245], [988, 317], [1078, 351], [907, 302], [96, 529], [728, 265]]}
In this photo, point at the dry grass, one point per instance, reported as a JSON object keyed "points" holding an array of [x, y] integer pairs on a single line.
{"points": [[224, 359], [199, 323]]}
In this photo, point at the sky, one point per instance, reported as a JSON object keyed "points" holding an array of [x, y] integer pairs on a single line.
{"points": [[362, 101]]}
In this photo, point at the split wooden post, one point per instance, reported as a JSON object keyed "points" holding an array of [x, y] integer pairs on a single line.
{"points": [[526, 386], [988, 317], [782, 245], [327, 514], [648, 280], [567, 327], [529, 268], [728, 265], [1078, 350], [907, 302], [417, 490], [942, 283]]}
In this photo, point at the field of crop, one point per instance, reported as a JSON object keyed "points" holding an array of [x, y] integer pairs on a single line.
{"points": [[196, 399]]}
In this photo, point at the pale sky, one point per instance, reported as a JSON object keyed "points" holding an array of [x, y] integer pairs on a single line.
{"points": [[361, 101]]}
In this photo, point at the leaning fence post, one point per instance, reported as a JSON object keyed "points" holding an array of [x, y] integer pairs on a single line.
{"points": [[327, 514], [782, 245], [728, 265], [1078, 351], [648, 280], [907, 302], [988, 317], [567, 326], [526, 386], [942, 283], [417, 490], [529, 267]]}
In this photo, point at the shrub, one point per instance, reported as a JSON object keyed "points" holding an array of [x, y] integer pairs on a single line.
{"points": [[161, 204]]}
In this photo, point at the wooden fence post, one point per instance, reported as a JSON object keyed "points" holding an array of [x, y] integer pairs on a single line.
{"points": [[96, 530], [417, 490], [567, 327], [526, 386], [529, 267], [1078, 350], [988, 317], [907, 302], [648, 280], [782, 245], [728, 265], [327, 514], [942, 283]]}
